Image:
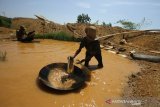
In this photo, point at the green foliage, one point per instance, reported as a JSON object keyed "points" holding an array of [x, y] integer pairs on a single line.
{"points": [[5, 22], [57, 36], [83, 18], [134, 26], [129, 25], [109, 24]]}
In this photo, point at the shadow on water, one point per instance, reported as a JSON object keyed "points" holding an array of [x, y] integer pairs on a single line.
{"points": [[34, 41], [24, 46], [90, 68], [93, 67]]}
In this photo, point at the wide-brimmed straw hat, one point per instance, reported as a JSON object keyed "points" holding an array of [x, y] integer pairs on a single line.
{"points": [[91, 32]]}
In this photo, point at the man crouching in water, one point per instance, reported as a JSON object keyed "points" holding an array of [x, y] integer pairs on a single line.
{"points": [[23, 36], [92, 47]]}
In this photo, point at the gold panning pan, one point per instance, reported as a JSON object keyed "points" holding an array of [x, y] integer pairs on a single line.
{"points": [[55, 76]]}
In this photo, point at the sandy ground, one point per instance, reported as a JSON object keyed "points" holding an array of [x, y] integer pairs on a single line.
{"points": [[18, 79], [145, 85]]}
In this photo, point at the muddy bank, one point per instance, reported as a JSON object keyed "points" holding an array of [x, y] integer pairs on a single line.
{"points": [[144, 85], [19, 86]]}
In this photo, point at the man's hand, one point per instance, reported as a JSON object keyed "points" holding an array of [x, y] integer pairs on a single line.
{"points": [[73, 56]]}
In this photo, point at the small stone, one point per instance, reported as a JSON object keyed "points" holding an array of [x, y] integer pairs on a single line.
{"points": [[101, 46], [154, 69], [133, 76], [122, 83], [139, 74], [139, 77], [82, 93], [123, 41], [122, 49], [104, 82]]}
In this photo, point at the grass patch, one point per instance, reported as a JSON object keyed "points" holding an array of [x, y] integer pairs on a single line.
{"points": [[5, 22], [57, 36]]}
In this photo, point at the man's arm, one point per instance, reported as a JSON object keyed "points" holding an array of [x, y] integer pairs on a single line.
{"points": [[77, 52], [80, 48]]}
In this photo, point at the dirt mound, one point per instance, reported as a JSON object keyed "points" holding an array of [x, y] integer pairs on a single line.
{"points": [[73, 29], [147, 41], [6, 33], [145, 84], [78, 28], [35, 24], [29, 23], [4, 30], [140, 41]]}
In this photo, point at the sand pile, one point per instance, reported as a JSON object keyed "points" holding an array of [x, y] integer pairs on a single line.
{"points": [[56, 79]]}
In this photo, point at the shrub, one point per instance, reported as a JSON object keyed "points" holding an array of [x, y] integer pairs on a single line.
{"points": [[109, 24], [128, 25], [5, 22], [57, 36]]}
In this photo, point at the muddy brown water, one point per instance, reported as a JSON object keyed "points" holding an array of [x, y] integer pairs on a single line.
{"points": [[18, 76]]}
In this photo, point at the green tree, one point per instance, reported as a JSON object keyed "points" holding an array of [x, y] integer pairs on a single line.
{"points": [[132, 26], [129, 25], [5, 22], [83, 18], [109, 24]]}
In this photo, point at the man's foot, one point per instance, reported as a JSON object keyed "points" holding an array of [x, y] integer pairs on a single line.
{"points": [[100, 66], [87, 66]]}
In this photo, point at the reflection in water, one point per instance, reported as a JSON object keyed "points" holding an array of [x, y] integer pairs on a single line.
{"points": [[19, 85], [25, 46]]}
